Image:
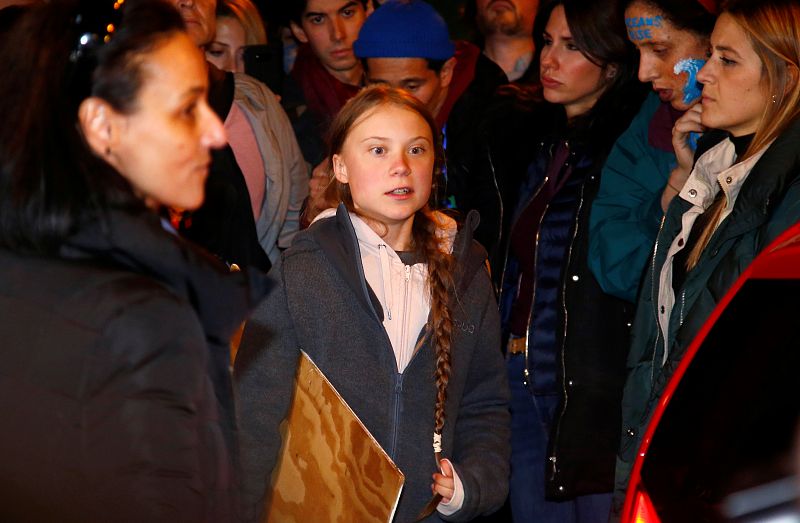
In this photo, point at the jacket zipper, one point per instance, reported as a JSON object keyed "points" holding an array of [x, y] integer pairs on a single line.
{"points": [[514, 224], [655, 300], [406, 299], [398, 384], [526, 371], [554, 458], [499, 197], [398, 391], [398, 376]]}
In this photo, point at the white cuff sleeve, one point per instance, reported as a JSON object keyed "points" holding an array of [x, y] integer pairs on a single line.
{"points": [[455, 503]]}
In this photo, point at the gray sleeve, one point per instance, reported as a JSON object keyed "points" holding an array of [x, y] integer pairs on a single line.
{"points": [[482, 444], [264, 374]]}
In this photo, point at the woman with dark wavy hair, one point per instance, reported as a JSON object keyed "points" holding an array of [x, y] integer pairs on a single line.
{"points": [[565, 338], [115, 392]]}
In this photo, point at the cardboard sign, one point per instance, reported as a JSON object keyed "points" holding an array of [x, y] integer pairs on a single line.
{"points": [[330, 467]]}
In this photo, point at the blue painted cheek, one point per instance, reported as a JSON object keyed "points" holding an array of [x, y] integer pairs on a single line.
{"points": [[692, 89]]}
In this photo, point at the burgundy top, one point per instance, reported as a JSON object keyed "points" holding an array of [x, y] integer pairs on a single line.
{"points": [[524, 233]]}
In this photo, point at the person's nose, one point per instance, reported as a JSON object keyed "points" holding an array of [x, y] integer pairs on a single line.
{"points": [[337, 29], [706, 73], [213, 134], [400, 165], [647, 70], [549, 59]]}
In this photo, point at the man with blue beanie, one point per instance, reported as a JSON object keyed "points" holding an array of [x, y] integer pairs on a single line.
{"points": [[406, 44]]}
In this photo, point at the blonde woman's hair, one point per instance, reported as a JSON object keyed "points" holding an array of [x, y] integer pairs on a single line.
{"points": [[246, 13], [773, 28]]}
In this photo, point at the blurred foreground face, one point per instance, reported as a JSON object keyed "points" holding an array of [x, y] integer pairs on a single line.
{"points": [[568, 77], [506, 17], [734, 83], [227, 50], [661, 45], [163, 147]]}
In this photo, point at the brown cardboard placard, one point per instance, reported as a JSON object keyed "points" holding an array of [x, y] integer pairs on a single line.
{"points": [[330, 468]]}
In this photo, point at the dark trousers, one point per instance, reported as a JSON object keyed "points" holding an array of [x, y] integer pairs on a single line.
{"points": [[531, 417]]}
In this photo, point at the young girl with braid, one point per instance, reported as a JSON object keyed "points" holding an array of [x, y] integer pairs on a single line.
{"points": [[395, 306]]}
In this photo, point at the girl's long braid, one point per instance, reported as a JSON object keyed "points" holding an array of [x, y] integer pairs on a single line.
{"points": [[440, 324]]}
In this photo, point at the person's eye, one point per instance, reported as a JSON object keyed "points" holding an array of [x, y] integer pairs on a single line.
{"points": [[377, 150], [547, 41], [727, 62], [317, 20], [348, 13], [411, 87], [660, 51], [190, 111], [417, 150], [572, 47], [215, 50]]}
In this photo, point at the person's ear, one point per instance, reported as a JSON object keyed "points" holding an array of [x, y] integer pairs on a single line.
{"points": [[611, 71], [446, 74], [98, 122], [298, 32], [339, 168]]}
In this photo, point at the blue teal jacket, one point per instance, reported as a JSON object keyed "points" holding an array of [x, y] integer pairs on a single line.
{"points": [[627, 211]]}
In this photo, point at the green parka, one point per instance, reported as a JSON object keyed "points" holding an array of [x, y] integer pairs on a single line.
{"points": [[768, 203]]}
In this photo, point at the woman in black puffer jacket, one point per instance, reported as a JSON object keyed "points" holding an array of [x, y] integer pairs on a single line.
{"points": [[115, 392], [565, 339]]}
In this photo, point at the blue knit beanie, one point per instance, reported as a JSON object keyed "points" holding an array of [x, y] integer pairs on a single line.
{"points": [[404, 29]]}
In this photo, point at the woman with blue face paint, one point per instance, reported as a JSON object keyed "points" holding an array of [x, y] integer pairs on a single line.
{"points": [[742, 192], [639, 178]]}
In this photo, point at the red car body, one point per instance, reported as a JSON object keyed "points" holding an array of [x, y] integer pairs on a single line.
{"points": [[720, 445]]}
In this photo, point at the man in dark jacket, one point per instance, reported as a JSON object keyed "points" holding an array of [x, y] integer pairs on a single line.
{"points": [[506, 28], [407, 45]]}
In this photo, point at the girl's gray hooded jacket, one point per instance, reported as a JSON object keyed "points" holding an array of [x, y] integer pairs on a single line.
{"points": [[323, 305]]}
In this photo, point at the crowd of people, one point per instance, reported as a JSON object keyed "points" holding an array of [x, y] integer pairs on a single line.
{"points": [[497, 251]]}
